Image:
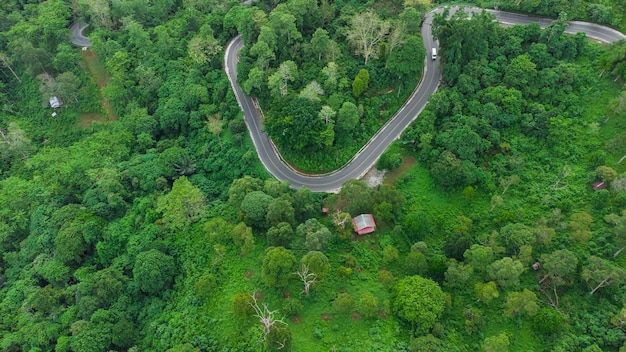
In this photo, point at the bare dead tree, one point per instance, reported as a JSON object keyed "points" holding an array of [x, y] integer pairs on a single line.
{"points": [[266, 316], [340, 218], [307, 278], [14, 140], [548, 288], [566, 173], [6, 63], [507, 182]]}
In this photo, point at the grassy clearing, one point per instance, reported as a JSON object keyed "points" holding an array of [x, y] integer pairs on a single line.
{"points": [[86, 119], [101, 78]]}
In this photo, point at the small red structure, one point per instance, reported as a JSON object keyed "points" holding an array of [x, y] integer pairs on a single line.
{"points": [[598, 185], [364, 223]]}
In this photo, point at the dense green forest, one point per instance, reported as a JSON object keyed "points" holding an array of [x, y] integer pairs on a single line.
{"points": [[140, 219]]}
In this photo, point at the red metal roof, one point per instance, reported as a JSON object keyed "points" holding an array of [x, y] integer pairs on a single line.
{"points": [[364, 223]]}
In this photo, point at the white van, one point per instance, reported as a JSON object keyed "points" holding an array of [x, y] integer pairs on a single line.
{"points": [[434, 53]]}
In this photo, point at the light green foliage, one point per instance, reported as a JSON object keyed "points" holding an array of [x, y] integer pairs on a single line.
{"points": [[605, 173], [386, 278], [560, 266], [312, 91], [279, 211], [390, 254], [600, 273], [368, 305], [497, 343], [218, 230], [518, 303], [280, 235], [579, 227], [202, 48], [242, 237], [344, 303], [255, 207], [317, 263], [242, 305], [360, 83], [241, 187], [418, 300], [315, 235], [183, 206], [457, 274], [513, 236], [365, 33], [278, 265], [153, 271], [505, 272], [426, 343], [486, 292]]}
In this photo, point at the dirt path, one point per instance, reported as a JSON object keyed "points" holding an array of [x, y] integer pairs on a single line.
{"points": [[99, 74]]}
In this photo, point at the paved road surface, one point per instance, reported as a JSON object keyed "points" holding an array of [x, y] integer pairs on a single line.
{"points": [[369, 154], [78, 38]]}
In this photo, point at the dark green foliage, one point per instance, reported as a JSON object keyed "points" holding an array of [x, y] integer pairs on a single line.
{"points": [[312, 235], [242, 305], [278, 266], [255, 206], [390, 159], [317, 263], [279, 339], [280, 235], [205, 285], [547, 321], [292, 306], [153, 271], [89, 209]]}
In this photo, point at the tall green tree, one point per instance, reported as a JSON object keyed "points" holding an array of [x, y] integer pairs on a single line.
{"points": [[154, 271], [278, 266], [419, 301], [183, 206]]}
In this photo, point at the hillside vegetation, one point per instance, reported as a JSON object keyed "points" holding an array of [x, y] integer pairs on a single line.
{"points": [[156, 228]]}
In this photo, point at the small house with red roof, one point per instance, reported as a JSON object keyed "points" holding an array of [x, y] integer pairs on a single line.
{"points": [[364, 223]]}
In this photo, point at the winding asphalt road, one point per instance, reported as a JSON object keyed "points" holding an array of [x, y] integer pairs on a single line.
{"points": [[78, 38], [369, 154]]}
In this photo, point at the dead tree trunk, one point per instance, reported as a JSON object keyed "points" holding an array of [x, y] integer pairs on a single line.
{"points": [[265, 316], [603, 283], [307, 278]]}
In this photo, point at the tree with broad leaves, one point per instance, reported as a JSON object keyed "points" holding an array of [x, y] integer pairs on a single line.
{"points": [[183, 206], [419, 301], [278, 264], [517, 303]]}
